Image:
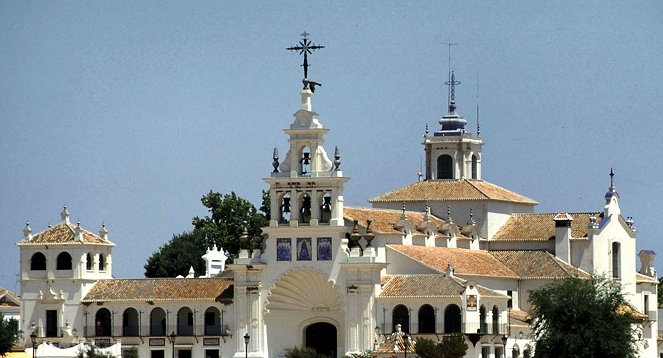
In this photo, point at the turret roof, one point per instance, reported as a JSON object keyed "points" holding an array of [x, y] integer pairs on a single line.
{"points": [[540, 227], [63, 233]]}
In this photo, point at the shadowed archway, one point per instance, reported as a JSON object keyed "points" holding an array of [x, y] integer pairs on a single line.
{"points": [[321, 336]]}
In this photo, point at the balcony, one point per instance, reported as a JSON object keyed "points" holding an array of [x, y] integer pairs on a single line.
{"points": [[156, 331]]}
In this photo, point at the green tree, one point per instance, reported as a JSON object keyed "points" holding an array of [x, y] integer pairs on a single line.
{"points": [[451, 346], [577, 317], [303, 353], [659, 290], [8, 334], [222, 226]]}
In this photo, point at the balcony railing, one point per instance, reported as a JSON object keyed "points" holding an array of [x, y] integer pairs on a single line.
{"points": [[486, 328], [155, 331]]}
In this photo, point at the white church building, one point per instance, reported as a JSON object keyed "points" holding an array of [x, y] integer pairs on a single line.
{"points": [[449, 253]]}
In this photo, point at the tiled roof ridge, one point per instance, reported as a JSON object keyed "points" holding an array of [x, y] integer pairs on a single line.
{"points": [[471, 182], [555, 213], [412, 258], [393, 191], [479, 190]]}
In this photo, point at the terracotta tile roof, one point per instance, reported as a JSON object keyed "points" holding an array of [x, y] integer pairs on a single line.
{"points": [[63, 233], [452, 190], [463, 261], [640, 278], [383, 220], [518, 317], [394, 344], [537, 264], [540, 227], [625, 308], [428, 286], [9, 298], [158, 289]]}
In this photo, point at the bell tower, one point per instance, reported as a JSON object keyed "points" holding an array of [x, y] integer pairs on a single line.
{"points": [[452, 152]]}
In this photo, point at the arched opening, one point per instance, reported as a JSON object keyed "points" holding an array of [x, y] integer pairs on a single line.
{"points": [[212, 322], [89, 264], [515, 352], [38, 262], [426, 319], [185, 322], [445, 167], [305, 162], [615, 260], [452, 319], [102, 262], [483, 325], [284, 209], [321, 337], [158, 322], [496, 320], [474, 166], [63, 261], [305, 209], [326, 209], [130, 323], [400, 315], [102, 323]]}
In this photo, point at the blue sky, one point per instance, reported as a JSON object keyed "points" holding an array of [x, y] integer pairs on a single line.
{"points": [[129, 112]]}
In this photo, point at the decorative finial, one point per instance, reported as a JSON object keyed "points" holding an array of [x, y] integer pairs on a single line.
{"points": [[275, 160], [426, 213], [612, 176], [306, 47], [471, 221], [244, 238], [426, 131], [64, 215], [103, 232], [448, 213], [403, 212], [27, 231], [369, 236], [355, 236], [337, 159]]}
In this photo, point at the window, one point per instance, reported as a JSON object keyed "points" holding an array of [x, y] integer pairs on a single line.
{"points": [[51, 323], [401, 315], [474, 166], [102, 262], [305, 162], [89, 265], [483, 326], [185, 322], [509, 303], [646, 304], [426, 319], [63, 261], [130, 323], [212, 322], [158, 322], [445, 167], [452, 319], [615, 260], [38, 262], [102, 323], [305, 210], [325, 209], [284, 209], [496, 320]]}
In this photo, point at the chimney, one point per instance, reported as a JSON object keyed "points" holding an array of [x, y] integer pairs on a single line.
{"points": [[563, 236]]}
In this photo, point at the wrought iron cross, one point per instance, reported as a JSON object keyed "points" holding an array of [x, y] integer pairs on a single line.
{"points": [[305, 47], [452, 91]]}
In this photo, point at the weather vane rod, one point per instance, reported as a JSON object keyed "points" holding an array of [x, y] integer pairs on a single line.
{"points": [[306, 47]]}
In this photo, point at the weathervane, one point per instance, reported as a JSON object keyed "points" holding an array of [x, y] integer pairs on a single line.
{"points": [[306, 47]]}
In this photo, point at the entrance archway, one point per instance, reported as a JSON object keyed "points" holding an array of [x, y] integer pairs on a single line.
{"points": [[321, 336]]}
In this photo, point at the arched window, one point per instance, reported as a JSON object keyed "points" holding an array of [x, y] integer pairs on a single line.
{"points": [[102, 323], [212, 322], [63, 261], [130, 323], [483, 326], [452, 319], [615, 260], [426, 319], [89, 265], [445, 168], [401, 315], [496, 320], [305, 209], [38, 262], [157, 322], [305, 162], [325, 209], [102, 262], [185, 322], [474, 166], [284, 209]]}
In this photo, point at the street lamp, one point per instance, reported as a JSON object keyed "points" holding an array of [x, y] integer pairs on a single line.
{"points": [[247, 338], [172, 342], [33, 339], [505, 338]]}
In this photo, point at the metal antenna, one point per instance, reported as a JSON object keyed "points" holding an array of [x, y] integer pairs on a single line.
{"points": [[449, 74], [478, 126], [306, 47]]}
